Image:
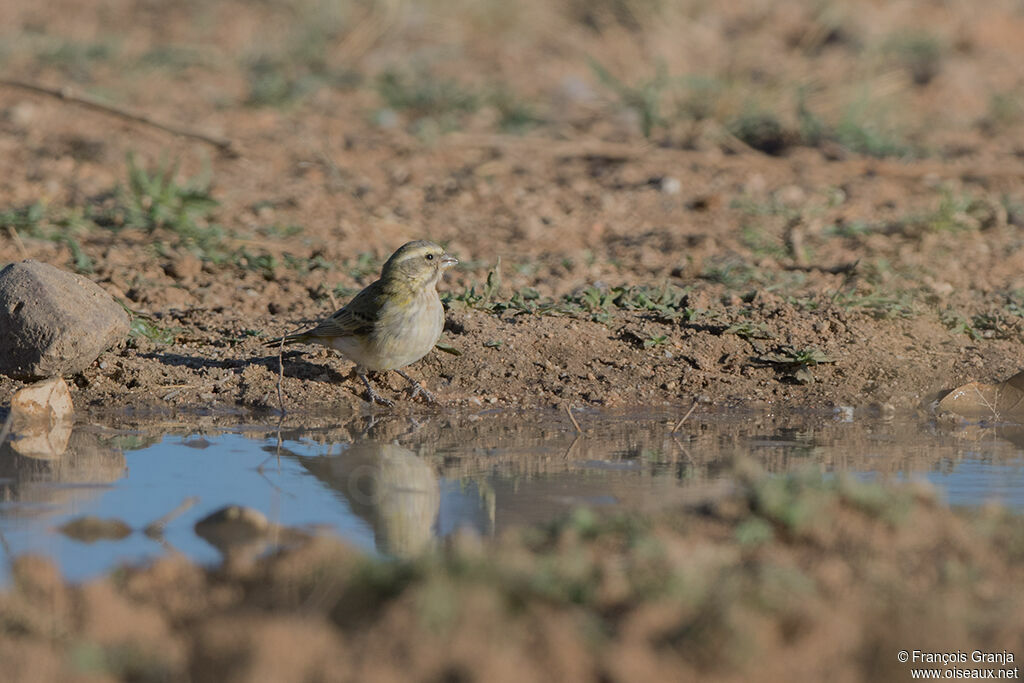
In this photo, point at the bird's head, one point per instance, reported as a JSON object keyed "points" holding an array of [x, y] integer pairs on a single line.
{"points": [[418, 264]]}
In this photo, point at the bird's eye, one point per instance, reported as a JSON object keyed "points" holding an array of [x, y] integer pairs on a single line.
{"points": [[430, 257]]}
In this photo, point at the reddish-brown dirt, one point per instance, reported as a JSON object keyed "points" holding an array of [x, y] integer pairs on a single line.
{"points": [[365, 125]]}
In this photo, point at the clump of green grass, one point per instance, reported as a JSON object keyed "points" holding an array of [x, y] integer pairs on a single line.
{"points": [[699, 97], [1005, 109], [179, 214], [288, 71], [852, 229], [515, 115], [148, 328], [646, 99], [155, 198], [956, 212], [655, 341], [63, 226], [957, 323], [666, 303], [879, 305], [796, 363], [425, 98], [790, 356], [861, 129], [996, 325], [919, 52], [731, 272], [761, 242], [749, 330], [485, 299], [76, 59], [272, 83], [172, 57], [364, 265]]}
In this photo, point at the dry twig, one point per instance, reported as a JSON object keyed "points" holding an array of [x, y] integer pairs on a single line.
{"points": [[280, 376], [684, 417], [226, 146], [568, 411]]}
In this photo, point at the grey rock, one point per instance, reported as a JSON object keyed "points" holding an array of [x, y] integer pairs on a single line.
{"points": [[53, 322]]}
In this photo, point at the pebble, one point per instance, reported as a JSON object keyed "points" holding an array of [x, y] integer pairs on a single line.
{"points": [[670, 185], [41, 419]]}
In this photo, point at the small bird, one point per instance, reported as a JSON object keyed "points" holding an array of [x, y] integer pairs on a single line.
{"points": [[393, 322]]}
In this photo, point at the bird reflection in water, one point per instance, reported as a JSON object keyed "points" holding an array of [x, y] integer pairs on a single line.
{"points": [[385, 484]]}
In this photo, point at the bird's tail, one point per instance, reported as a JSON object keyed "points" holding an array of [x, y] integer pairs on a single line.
{"points": [[294, 338]]}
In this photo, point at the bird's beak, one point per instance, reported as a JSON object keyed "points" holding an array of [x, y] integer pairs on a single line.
{"points": [[447, 261]]}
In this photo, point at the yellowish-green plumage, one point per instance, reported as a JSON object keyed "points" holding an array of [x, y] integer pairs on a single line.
{"points": [[395, 321]]}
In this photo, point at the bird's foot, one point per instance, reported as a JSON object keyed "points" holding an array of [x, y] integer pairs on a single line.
{"points": [[418, 389], [374, 396], [377, 398]]}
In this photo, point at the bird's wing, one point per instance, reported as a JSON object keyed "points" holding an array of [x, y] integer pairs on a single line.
{"points": [[358, 317]]}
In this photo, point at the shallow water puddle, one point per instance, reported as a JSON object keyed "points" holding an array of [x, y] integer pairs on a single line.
{"points": [[397, 486]]}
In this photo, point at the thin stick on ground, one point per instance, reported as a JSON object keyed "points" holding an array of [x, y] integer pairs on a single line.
{"points": [[280, 375], [568, 411], [224, 145], [684, 417]]}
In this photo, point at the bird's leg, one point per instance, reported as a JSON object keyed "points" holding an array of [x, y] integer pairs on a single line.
{"points": [[374, 396], [417, 388]]}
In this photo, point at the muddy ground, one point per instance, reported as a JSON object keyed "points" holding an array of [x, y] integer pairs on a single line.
{"points": [[807, 205]]}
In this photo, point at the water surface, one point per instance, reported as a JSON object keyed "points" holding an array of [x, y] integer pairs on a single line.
{"points": [[396, 486]]}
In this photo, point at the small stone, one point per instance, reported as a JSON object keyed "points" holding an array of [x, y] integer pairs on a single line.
{"points": [[43, 402], [670, 185], [53, 322], [41, 419], [232, 524]]}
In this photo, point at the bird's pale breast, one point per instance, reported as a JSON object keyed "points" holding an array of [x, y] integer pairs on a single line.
{"points": [[404, 333]]}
